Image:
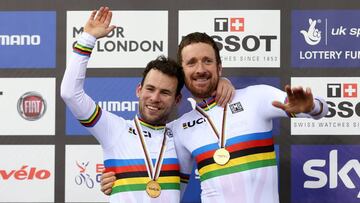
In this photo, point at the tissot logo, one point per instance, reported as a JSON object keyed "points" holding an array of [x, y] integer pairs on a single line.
{"points": [[223, 24], [243, 37], [350, 90], [193, 123], [346, 90], [341, 95]]}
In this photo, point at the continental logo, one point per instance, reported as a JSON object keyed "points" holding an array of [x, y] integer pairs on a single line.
{"points": [[193, 123]]}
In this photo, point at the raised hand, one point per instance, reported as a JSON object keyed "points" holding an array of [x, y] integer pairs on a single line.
{"points": [[98, 24], [299, 101]]}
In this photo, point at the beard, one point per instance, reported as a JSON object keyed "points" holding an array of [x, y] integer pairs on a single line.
{"points": [[204, 91]]}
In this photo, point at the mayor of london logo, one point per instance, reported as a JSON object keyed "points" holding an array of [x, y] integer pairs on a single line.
{"points": [[31, 106]]}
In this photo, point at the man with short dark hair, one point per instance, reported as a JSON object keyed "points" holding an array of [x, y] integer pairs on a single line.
{"points": [[141, 151]]}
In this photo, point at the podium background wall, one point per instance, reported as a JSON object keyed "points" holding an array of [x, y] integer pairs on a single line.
{"points": [[46, 156]]}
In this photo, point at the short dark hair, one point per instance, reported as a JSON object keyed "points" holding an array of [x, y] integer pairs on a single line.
{"points": [[197, 37], [168, 67]]}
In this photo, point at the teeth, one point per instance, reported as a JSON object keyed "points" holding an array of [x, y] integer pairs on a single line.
{"points": [[153, 108], [201, 79]]}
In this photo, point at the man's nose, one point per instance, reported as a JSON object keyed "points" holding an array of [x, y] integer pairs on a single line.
{"points": [[155, 96], [200, 67]]}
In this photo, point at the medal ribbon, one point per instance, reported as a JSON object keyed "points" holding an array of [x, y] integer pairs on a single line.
{"points": [[222, 137], [150, 166]]}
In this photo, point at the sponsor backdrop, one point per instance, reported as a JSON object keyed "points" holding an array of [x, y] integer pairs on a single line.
{"points": [[46, 156]]}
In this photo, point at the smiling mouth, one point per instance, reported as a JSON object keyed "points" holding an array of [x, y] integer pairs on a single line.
{"points": [[153, 108], [201, 81]]}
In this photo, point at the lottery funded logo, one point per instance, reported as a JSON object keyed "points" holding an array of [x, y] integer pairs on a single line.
{"points": [[325, 38]]}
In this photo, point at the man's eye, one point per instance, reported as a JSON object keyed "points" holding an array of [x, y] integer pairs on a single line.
{"points": [[208, 61]]}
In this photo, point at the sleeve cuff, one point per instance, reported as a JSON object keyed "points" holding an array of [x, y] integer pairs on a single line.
{"points": [[87, 40], [318, 108]]}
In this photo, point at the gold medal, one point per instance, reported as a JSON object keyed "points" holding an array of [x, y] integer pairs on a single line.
{"points": [[153, 189], [221, 156]]}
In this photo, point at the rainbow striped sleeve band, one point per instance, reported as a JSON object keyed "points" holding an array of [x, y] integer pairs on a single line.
{"points": [[82, 50], [93, 119]]}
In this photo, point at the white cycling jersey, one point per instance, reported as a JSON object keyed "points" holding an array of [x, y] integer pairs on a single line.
{"points": [[122, 149], [251, 174]]}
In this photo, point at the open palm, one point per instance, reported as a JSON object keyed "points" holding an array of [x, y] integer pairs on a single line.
{"points": [[299, 101], [98, 24]]}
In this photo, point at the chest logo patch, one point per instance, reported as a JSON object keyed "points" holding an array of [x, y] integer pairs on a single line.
{"points": [[236, 107]]}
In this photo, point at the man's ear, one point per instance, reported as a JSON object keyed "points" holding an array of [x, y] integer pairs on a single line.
{"points": [[138, 90], [178, 98]]}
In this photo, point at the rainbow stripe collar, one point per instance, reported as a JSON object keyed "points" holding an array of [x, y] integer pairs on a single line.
{"points": [[151, 126], [207, 104]]}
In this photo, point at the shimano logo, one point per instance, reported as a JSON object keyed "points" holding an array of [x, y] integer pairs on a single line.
{"points": [[345, 174], [20, 40], [118, 106]]}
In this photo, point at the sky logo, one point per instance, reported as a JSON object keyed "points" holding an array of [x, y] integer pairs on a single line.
{"points": [[29, 40], [325, 173]]}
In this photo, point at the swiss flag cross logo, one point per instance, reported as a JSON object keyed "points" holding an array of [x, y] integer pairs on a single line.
{"points": [[237, 24], [350, 90]]}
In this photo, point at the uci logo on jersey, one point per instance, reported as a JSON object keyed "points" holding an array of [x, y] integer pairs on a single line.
{"points": [[145, 133], [192, 123]]}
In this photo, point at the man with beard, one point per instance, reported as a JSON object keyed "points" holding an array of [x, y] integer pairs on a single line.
{"points": [[140, 152], [233, 146]]}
